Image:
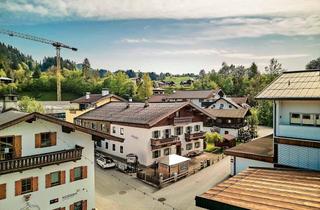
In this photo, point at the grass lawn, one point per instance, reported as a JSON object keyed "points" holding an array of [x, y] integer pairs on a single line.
{"points": [[49, 96]]}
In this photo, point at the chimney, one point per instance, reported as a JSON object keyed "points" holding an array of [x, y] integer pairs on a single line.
{"points": [[128, 104], [105, 91], [87, 95], [146, 102], [9, 101]]}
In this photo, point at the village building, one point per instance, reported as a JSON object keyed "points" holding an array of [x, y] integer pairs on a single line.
{"points": [[88, 102], [150, 131], [46, 163], [295, 145], [5, 80], [58, 109], [229, 112]]}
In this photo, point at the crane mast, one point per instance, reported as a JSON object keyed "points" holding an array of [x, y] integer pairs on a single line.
{"points": [[57, 45]]}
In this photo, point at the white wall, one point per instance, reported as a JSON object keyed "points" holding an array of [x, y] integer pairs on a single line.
{"points": [[226, 105], [232, 131], [244, 163], [283, 127], [301, 157], [84, 189], [138, 141]]}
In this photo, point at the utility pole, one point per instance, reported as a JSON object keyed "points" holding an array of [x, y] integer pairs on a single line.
{"points": [[57, 45]]}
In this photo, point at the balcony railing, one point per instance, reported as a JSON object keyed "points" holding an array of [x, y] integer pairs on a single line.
{"points": [[182, 120], [160, 143], [194, 136], [40, 160]]}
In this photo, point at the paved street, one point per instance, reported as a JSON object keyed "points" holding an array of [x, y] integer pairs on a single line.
{"points": [[115, 190]]}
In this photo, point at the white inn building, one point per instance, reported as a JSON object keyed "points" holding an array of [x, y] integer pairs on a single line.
{"points": [[46, 163], [149, 130]]}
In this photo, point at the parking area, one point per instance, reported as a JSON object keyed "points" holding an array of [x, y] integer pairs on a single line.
{"points": [[116, 190]]}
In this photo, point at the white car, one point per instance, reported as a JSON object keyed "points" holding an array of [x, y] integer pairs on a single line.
{"points": [[106, 162]]}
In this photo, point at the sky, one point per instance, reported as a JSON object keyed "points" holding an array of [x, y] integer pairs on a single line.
{"points": [[177, 36]]}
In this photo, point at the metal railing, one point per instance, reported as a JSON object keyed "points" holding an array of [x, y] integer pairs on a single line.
{"points": [[40, 160]]}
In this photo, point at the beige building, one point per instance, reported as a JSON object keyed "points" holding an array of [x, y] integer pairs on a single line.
{"points": [[89, 102]]}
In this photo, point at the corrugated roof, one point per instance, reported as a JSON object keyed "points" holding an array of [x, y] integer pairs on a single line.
{"points": [[258, 149], [135, 113], [294, 85], [10, 115], [228, 113], [265, 189]]}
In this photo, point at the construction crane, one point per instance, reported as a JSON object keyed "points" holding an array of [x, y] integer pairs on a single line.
{"points": [[57, 45]]}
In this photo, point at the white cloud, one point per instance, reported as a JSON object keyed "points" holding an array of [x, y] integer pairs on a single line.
{"points": [[263, 57], [177, 9]]}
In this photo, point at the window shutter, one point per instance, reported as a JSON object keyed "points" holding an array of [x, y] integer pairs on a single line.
{"points": [[53, 138], [17, 146], [71, 207], [84, 205], [3, 191], [84, 172], [71, 175], [34, 184], [48, 180], [62, 177], [38, 140], [18, 187]]}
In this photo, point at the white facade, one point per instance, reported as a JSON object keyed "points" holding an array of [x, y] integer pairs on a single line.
{"points": [[298, 120], [138, 141], [67, 193], [239, 164]]}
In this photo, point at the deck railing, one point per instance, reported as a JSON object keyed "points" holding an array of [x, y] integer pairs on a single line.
{"points": [[40, 160], [159, 143], [194, 136]]}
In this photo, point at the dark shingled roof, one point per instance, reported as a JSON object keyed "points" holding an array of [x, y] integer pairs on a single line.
{"points": [[240, 100], [294, 85], [10, 115], [258, 149], [94, 98], [157, 98], [265, 189], [228, 113], [191, 94], [136, 113]]}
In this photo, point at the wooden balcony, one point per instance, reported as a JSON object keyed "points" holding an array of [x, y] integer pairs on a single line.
{"points": [[160, 143], [182, 120], [40, 160], [194, 136]]}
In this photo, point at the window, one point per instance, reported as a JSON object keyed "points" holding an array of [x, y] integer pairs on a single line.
{"points": [[113, 147], [121, 131], [102, 126], [178, 131], [26, 185], [156, 154], [177, 114], [167, 133], [167, 151], [6, 148], [121, 149], [189, 129], [94, 126], [78, 205], [318, 119], [196, 144], [197, 128], [213, 106], [189, 146], [107, 145], [229, 121], [230, 106], [156, 134], [99, 143], [221, 106], [77, 173], [295, 118], [45, 140], [306, 116], [226, 132], [55, 178], [113, 129]]}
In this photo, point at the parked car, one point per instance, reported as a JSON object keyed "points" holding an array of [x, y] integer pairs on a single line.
{"points": [[106, 162]]}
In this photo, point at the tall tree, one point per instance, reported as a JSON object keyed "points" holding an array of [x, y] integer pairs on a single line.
{"points": [[253, 71], [145, 87], [314, 64], [274, 68], [85, 68]]}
